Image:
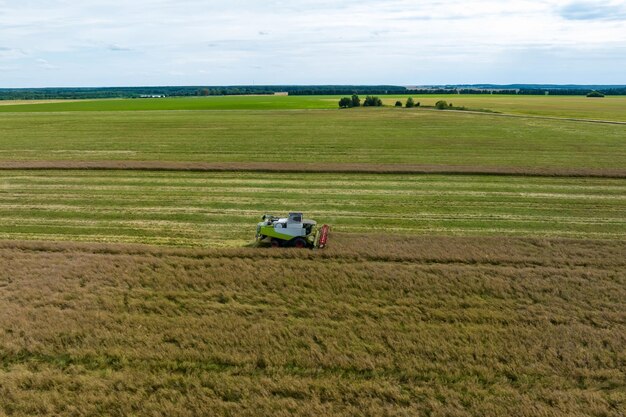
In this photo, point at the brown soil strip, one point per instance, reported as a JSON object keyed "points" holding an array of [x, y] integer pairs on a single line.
{"points": [[322, 167]]}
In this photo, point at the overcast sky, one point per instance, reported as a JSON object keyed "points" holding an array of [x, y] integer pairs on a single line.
{"points": [[225, 42]]}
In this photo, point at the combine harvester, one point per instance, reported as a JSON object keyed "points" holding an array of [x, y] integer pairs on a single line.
{"points": [[292, 231]]}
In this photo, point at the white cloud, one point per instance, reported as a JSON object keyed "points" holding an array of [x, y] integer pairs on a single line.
{"points": [[117, 48], [97, 42], [43, 63], [594, 10]]}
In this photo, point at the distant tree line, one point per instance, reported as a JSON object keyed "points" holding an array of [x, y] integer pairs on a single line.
{"points": [[524, 91], [343, 89], [572, 92], [186, 91], [182, 91], [123, 92], [460, 91]]}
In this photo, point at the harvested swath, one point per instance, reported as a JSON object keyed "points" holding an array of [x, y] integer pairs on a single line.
{"points": [[350, 247], [326, 167], [222, 208], [209, 209], [373, 326]]}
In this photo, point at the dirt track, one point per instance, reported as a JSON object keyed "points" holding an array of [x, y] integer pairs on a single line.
{"points": [[328, 167], [533, 116]]}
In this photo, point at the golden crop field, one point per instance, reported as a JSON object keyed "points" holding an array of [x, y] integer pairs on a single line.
{"points": [[374, 325]]}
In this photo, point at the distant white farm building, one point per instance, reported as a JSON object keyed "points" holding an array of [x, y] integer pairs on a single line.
{"points": [[152, 96], [281, 93]]}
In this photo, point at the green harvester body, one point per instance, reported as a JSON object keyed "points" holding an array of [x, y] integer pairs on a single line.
{"points": [[292, 231]]}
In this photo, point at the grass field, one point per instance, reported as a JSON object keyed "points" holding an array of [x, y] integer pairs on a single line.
{"points": [[183, 103], [35, 102], [310, 136], [214, 209], [371, 326], [608, 108]]}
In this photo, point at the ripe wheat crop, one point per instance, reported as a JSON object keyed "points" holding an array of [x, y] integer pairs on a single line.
{"points": [[372, 326]]}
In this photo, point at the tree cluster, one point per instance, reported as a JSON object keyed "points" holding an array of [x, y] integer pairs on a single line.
{"points": [[411, 103], [372, 101], [347, 102], [442, 105], [355, 101]]}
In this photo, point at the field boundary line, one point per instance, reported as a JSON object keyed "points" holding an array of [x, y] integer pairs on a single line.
{"points": [[488, 112], [322, 167]]}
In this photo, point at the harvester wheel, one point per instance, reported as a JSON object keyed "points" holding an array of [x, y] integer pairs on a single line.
{"points": [[275, 243], [299, 243]]}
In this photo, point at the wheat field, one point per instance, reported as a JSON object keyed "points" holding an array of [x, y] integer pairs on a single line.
{"points": [[372, 326]]}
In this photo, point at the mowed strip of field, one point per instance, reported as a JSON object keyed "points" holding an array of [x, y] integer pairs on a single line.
{"points": [[363, 136], [372, 326], [222, 209]]}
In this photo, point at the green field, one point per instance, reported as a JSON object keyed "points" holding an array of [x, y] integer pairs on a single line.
{"points": [[182, 103], [369, 136], [608, 108], [216, 209]]}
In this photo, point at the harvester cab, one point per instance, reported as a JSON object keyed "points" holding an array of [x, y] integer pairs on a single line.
{"points": [[292, 231]]}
